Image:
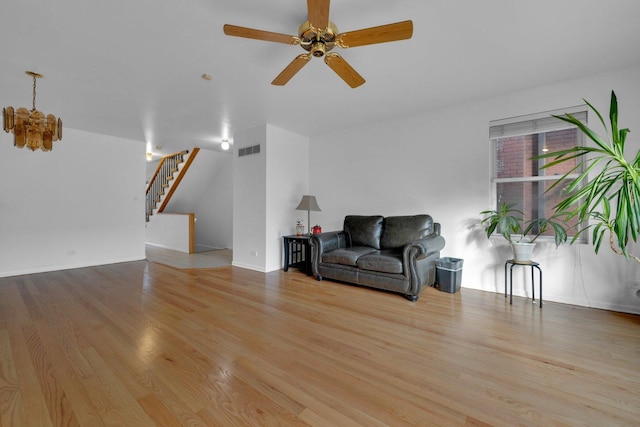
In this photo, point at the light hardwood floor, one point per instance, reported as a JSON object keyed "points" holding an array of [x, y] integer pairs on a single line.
{"points": [[143, 344], [205, 259]]}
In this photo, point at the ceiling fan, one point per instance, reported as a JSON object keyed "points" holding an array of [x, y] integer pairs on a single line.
{"points": [[318, 36]]}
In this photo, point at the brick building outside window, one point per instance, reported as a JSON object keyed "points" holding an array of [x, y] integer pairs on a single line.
{"points": [[519, 179]]}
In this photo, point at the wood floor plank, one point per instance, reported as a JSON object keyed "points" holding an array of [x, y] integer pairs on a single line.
{"points": [[111, 398], [11, 407], [143, 343], [58, 405], [18, 321], [71, 367]]}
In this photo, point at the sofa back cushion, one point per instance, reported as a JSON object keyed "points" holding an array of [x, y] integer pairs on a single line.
{"points": [[363, 230], [400, 230]]}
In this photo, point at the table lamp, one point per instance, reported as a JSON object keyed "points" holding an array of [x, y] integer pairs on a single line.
{"points": [[308, 203]]}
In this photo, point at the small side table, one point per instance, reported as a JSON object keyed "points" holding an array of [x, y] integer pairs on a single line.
{"points": [[531, 264], [297, 253]]}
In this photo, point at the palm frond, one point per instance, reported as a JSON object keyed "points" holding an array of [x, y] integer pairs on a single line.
{"points": [[607, 179]]}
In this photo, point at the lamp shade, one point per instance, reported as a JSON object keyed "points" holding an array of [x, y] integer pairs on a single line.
{"points": [[308, 203]]}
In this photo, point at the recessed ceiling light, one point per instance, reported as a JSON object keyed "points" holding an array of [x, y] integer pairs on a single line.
{"points": [[207, 77], [225, 144]]}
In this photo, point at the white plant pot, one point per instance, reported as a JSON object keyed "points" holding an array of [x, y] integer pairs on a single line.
{"points": [[522, 252]]}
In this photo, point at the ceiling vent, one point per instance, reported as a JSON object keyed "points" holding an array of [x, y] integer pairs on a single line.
{"points": [[246, 151]]}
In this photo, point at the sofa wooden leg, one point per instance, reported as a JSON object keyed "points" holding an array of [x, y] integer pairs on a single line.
{"points": [[412, 298]]}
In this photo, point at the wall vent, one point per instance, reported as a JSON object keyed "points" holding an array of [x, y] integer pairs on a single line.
{"points": [[246, 151]]}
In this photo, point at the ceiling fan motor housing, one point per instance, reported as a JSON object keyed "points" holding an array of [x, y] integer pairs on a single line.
{"points": [[318, 41]]}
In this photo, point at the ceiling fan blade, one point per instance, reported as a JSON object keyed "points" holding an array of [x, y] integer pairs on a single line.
{"points": [[382, 34], [343, 69], [318, 13], [251, 33], [291, 69]]}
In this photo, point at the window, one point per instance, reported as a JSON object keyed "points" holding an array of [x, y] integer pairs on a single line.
{"points": [[519, 179]]}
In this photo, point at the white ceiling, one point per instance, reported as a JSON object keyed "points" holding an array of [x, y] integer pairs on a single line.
{"points": [[132, 68]]}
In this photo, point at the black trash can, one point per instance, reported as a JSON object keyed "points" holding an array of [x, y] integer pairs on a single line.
{"points": [[449, 274]]}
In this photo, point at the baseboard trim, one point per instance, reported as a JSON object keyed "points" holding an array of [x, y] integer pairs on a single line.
{"points": [[46, 269]]}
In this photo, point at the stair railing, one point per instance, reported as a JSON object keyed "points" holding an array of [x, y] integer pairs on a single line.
{"points": [[160, 181]]}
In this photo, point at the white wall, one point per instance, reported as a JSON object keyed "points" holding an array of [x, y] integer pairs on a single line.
{"points": [[267, 188], [150, 169], [214, 212], [287, 181], [249, 200], [207, 190], [170, 231], [439, 162], [81, 204]]}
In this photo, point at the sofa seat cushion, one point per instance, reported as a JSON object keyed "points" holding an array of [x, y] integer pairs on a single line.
{"points": [[347, 256], [384, 261]]}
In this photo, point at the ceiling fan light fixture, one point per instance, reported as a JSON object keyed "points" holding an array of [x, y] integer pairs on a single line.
{"points": [[318, 49], [32, 128]]}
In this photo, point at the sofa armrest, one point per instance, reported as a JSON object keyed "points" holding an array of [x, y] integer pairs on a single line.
{"points": [[424, 247], [418, 258], [325, 242]]}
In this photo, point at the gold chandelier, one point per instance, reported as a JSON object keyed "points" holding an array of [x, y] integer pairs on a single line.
{"points": [[32, 128]]}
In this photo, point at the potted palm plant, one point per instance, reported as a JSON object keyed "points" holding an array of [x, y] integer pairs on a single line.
{"points": [[522, 235], [606, 195]]}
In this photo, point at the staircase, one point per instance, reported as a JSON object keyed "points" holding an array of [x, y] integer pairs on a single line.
{"points": [[166, 179]]}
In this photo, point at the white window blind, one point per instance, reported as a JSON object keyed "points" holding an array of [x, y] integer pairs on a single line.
{"points": [[530, 125]]}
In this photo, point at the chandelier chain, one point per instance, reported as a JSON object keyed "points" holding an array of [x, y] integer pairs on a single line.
{"points": [[34, 93]]}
